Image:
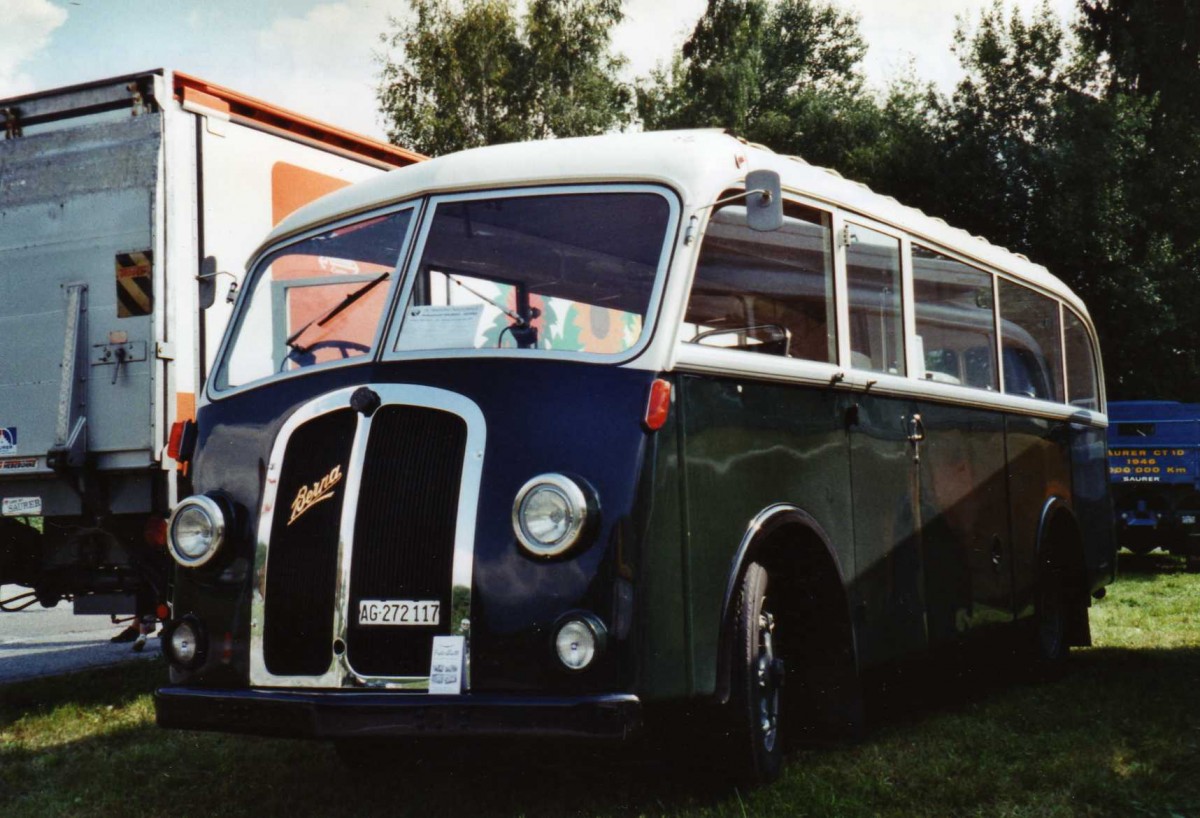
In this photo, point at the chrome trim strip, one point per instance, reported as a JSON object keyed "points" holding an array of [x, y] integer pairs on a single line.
{"points": [[340, 674], [755, 366]]}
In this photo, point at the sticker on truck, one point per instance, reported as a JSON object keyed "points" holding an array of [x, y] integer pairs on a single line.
{"points": [[8, 440], [135, 283], [18, 464], [21, 507]]}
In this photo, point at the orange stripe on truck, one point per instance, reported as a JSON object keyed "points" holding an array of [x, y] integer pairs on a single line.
{"points": [[292, 187]]}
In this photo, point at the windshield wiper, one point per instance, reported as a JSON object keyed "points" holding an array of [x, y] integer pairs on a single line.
{"points": [[337, 308], [521, 328]]}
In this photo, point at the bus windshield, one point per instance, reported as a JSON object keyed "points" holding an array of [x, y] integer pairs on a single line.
{"points": [[568, 272], [316, 301]]}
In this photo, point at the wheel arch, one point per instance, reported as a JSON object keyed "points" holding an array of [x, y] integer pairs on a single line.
{"points": [[779, 535]]}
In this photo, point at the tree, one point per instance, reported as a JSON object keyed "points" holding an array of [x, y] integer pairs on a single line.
{"points": [[1146, 58], [471, 73], [998, 127], [758, 68]]}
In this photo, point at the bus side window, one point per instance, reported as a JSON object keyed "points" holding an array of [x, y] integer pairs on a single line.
{"points": [[955, 319], [1082, 389], [1031, 342], [873, 276], [765, 292]]}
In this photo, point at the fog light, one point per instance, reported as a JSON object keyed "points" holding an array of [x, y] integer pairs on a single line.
{"points": [[579, 642], [184, 644]]}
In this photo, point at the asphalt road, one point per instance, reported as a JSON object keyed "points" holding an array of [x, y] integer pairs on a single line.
{"points": [[41, 641]]}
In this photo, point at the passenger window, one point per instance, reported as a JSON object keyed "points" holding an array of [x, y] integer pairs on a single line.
{"points": [[955, 320], [873, 276], [1031, 343], [1082, 388], [765, 292]]}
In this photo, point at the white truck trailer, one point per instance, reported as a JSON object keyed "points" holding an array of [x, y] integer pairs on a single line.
{"points": [[123, 203]]}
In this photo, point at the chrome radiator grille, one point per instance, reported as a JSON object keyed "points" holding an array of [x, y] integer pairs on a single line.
{"points": [[302, 580], [404, 533], [365, 506]]}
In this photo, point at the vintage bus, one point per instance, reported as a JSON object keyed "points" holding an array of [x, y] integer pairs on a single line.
{"points": [[533, 439]]}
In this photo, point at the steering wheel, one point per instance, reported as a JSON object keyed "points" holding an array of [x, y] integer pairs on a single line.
{"points": [[340, 344], [306, 357]]}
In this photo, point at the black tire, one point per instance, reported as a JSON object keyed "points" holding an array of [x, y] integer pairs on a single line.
{"points": [[1051, 617], [1192, 564], [756, 704]]}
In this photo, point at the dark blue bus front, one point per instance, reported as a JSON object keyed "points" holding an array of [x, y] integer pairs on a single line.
{"points": [[420, 474]]}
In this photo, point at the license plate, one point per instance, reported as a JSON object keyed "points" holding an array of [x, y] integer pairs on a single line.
{"points": [[399, 612], [1188, 519]]}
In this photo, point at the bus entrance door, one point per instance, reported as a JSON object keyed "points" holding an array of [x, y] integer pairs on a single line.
{"points": [[887, 550], [964, 520]]}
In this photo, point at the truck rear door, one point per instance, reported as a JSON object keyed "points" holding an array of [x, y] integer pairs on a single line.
{"points": [[78, 290]]}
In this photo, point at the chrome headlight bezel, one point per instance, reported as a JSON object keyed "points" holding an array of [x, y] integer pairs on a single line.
{"points": [[589, 624], [576, 500], [216, 515]]}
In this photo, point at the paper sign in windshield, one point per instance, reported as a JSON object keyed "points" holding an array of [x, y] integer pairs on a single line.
{"points": [[440, 328]]}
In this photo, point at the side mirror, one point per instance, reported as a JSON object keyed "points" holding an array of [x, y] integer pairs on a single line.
{"points": [[764, 201], [206, 283], [206, 289]]}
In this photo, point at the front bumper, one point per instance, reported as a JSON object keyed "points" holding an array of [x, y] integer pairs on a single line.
{"points": [[376, 714]]}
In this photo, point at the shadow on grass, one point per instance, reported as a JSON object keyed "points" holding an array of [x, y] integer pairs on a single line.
{"points": [[967, 732], [1153, 564], [960, 734], [115, 686]]}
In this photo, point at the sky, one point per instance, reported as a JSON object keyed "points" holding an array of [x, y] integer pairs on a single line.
{"points": [[319, 57]]}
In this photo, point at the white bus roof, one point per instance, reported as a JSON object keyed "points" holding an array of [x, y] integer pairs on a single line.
{"points": [[697, 163]]}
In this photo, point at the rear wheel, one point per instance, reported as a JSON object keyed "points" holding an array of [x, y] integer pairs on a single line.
{"points": [[1060, 617], [757, 702]]}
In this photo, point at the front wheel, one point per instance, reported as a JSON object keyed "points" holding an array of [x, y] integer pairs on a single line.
{"points": [[757, 701]]}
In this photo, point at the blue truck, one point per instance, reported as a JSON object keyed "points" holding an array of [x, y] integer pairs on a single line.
{"points": [[1154, 467]]}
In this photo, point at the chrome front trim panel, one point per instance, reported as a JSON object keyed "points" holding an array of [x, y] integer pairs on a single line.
{"points": [[339, 673]]}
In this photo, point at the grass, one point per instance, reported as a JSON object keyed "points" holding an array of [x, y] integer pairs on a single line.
{"points": [[1118, 736]]}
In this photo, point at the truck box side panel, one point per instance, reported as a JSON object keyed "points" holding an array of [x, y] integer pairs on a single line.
{"points": [[77, 206]]}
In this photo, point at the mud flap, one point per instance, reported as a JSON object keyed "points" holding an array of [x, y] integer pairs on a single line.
{"points": [[20, 545]]}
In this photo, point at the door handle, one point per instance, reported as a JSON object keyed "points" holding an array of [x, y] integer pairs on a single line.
{"points": [[916, 429], [916, 433]]}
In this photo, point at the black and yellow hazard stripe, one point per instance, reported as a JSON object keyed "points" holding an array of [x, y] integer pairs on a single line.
{"points": [[135, 283]]}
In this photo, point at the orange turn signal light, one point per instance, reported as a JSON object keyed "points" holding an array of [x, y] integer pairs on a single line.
{"points": [[659, 405]]}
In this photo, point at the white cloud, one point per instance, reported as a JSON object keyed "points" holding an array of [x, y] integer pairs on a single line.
{"points": [[653, 31], [922, 31], [26, 29], [322, 64]]}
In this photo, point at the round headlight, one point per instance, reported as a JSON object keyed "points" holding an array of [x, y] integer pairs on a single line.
{"points": [[578, 642], [549, 514], [195, 531]]}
